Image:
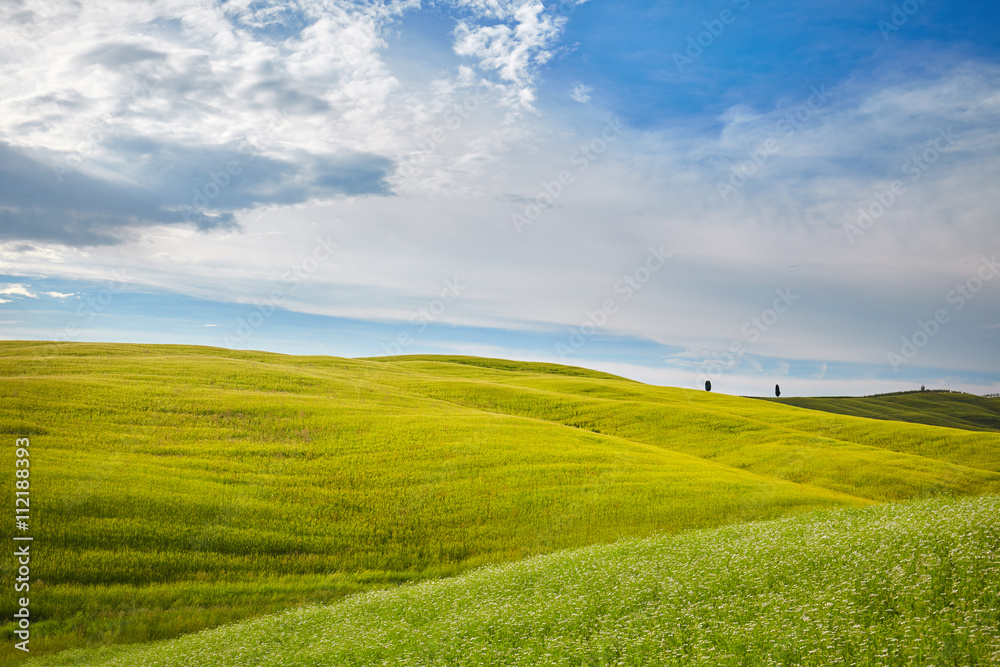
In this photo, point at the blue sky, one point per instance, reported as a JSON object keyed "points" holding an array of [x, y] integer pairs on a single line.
{"points": [[752, 192]]}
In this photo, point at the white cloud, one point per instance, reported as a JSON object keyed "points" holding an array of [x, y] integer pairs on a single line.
{"points": [[513, 52], [59, 295], [110, 88], [108, 70], [17, 289]]}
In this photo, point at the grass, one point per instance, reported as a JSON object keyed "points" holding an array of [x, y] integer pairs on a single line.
{"points": [[177, 488], [877, 460], [915, 583], [937, 408]]}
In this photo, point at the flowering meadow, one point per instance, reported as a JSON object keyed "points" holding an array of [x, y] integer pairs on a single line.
{"points": [[906, 584]]}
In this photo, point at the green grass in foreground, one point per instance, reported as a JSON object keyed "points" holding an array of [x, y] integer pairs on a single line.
{"points": [[936, 408], [909, 584], [176, 488]]}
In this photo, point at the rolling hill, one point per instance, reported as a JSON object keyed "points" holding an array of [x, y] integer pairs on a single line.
{"points": [[936, 408], [177, 488]]}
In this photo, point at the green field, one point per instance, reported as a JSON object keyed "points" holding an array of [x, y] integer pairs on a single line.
{"points": [[908, 584], [937, 408], [178, 488]]}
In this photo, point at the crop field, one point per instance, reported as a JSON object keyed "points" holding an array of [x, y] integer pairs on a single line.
{"points": [[179, 488], [915, 583]]}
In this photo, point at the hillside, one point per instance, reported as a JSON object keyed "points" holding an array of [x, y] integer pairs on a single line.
{"points": [[907, 584], [864, 458], [936, 408], [176, 488]]}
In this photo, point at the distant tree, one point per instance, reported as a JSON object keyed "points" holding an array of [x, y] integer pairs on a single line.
{"points": [[777, 390], [708, 385]]}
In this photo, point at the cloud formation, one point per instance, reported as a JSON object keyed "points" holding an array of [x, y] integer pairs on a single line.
{"points": [[163, 184], [132, 108], [515, 51], [17, 289]]}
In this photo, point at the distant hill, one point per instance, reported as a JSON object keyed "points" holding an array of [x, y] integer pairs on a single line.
{"points": [[936, 408], [506, 365]]}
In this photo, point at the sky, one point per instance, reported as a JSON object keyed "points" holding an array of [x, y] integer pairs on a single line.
{"points": [[749, 192]]}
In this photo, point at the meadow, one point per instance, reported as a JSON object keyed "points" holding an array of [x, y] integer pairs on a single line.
{"points": [[874, 459], [898, 584], [178, 488]]}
